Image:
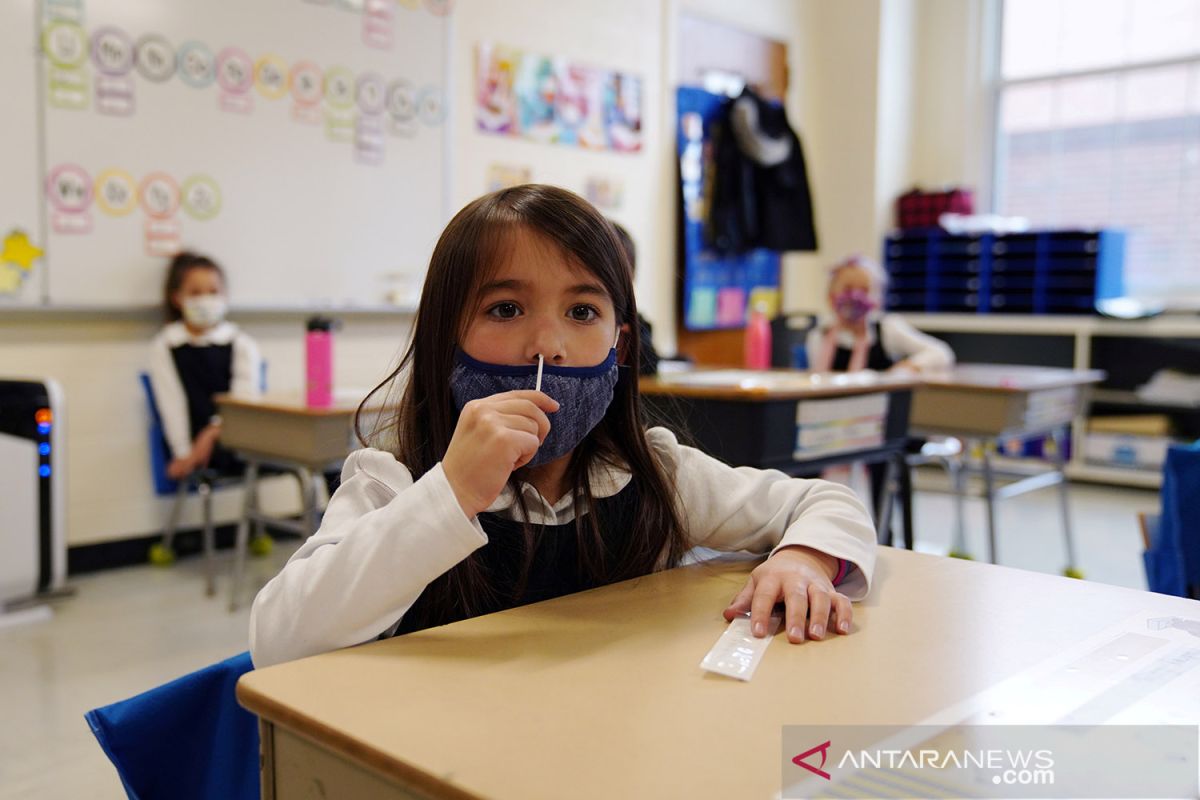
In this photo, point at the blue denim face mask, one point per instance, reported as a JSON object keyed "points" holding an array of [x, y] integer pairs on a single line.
{"points": [[583, 395]]}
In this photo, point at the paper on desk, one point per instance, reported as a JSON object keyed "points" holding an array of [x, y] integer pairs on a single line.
{"points": [[768, 380], [1143, 670], [738, 651]]}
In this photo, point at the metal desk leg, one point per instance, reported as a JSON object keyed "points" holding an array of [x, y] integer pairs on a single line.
{"points": [[242, 544], [906, 497], [310, 503], [883, 513], [958, 480], [204, 488], [989, 499], [1060, 464], [181, 494]]}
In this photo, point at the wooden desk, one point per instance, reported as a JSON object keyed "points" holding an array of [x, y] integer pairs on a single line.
{"points": [[599, 694], [281, 430], [994, 401], [750, 418], [984, 403], [281, 427]]}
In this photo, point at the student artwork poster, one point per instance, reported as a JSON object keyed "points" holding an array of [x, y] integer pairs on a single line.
{"points": [[495, 96], [553, 100]]}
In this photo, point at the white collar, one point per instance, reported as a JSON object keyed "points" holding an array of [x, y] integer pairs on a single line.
{"points": [[177, 334], [844, 337], [604, 479]]}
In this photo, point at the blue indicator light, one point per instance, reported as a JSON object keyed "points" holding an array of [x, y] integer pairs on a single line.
{"points": [[44, 448], [44, 470], [43, 427]]}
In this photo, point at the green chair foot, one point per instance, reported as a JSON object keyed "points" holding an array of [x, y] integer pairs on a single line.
{"points": [[960, 554], [262, 545], [1073, 572], [161, 555]]}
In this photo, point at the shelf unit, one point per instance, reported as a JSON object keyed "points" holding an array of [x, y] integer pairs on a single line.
{"points": [[1038, 272], [1082, 343]]}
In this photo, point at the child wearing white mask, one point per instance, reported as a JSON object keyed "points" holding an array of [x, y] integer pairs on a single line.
{"points": [[859, 336], [197, 355]]}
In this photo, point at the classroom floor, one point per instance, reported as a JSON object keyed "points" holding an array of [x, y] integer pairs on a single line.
{"points": [[127, 630]]}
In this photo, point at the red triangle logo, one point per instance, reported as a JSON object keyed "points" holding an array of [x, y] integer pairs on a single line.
{"points": [[824, 750]]}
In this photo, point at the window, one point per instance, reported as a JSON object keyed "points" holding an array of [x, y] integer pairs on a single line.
{"points": [[1098, 125]]}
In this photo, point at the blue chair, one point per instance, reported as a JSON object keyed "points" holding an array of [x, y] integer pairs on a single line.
{"points": [[202, 482], [1172, 557], [185, 740]]}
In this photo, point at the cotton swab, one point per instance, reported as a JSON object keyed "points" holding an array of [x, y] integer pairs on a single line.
{"points": [[538, 386]]}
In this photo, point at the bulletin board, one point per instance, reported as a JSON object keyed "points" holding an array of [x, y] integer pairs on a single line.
{"points": [[718, 289], [301, 144]]}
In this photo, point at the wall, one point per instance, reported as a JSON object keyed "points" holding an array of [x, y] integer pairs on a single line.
{"points": [[621, 35], [895, 97], [953, 115], [841, 75], [872, 93]]}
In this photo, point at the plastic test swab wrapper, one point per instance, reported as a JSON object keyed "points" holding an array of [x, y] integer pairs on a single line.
{"points": [[737, 653], [538, 386]]}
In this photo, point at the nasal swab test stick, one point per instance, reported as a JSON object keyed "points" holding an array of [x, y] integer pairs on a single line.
{"points": [[538, 386]]}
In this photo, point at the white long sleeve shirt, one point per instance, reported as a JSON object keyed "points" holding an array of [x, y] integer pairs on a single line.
{"points": [[385, 537], [169, 395], [899, 338]]}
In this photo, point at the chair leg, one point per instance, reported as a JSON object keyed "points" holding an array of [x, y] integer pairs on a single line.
{"points": [[210, 578], [241, 545]]}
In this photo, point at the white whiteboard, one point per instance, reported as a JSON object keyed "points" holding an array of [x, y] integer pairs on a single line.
{"points": [[301, 144], [19, 177]]}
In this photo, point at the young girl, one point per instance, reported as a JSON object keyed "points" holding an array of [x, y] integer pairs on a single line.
{"points": [[499, 494], [858, 337], [195, 356]]}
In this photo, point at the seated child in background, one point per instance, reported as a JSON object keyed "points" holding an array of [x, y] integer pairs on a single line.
{"points": [[858, 335], [197, 355]]}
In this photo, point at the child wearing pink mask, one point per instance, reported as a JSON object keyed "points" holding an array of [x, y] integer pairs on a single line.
{"points": [[858, 336]]}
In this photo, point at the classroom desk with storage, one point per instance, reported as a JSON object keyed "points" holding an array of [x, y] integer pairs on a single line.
{"points": [[983, 403], [600, 694], [793, 421], [281, 430]]}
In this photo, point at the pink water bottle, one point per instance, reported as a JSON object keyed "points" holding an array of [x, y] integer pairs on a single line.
{"points": [[758, 339], [318, 362]]}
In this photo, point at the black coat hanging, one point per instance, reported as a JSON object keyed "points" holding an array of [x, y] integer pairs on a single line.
{"points": [[760, 194]]}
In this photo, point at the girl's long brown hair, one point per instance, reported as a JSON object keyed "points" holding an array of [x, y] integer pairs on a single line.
{"points": [[469, 249]]}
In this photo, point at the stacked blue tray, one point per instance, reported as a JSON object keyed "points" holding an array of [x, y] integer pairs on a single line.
{"points": [[1040, 272]]}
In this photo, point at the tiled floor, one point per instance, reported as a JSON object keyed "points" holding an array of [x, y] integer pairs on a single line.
{"points": [[128, 630], [122, 632]]}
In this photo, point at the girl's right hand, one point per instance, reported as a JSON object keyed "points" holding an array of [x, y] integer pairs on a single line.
{"points": [[494, 436], [179, 468]]}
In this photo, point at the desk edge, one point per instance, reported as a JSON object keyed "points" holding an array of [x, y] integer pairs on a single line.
{"points": [[334, 740]]}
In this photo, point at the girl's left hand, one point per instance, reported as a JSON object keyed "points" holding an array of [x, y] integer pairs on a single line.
{"points": [[802, 578]]}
